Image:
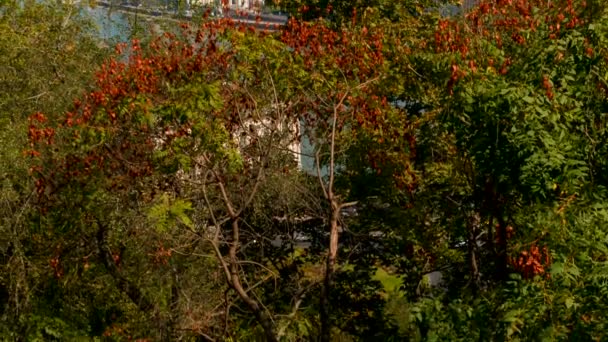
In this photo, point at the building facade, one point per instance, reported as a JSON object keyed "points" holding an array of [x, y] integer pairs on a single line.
{"points": [[240, 4]]}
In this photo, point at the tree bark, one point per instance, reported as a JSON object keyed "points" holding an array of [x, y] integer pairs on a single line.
{"points": [[502, 256], [472, 247], [329, 270]]}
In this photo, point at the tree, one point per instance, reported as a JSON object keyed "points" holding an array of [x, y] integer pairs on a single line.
{"points": [[219, 114], [343, 107], [515, 86], [47, 54], [341, 12], [468, 148]]}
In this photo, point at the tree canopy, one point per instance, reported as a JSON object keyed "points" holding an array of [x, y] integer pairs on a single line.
{"points": [[155, 191]]}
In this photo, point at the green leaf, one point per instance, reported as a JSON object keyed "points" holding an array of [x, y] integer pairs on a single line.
{"points": [[166, 213], [528, 99], [569, 302], [557, 268]]}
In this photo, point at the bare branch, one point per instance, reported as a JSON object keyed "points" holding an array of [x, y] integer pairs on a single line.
{"points": [[318, 162]]}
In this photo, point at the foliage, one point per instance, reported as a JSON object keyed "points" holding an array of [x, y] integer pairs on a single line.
{"points": [[341, 12], [47, 54], [517, 89], [458, 193]]}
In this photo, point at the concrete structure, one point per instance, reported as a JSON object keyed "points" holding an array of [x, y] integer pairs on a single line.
{"points": [[235, 4]]}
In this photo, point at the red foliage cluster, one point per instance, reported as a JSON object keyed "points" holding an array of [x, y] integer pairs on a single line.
{"points": [[38, 133], [125, 91], [501, 23], [116, 142], [532, 262], [529, 263], [352, 52], [162, 255], [356, 55], [56, 266]]}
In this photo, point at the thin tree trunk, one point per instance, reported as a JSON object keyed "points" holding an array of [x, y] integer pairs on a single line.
{"points": [[262, 317], [502, 256], [329, 271], [472, 247], [126, 286], [231, 268]]}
